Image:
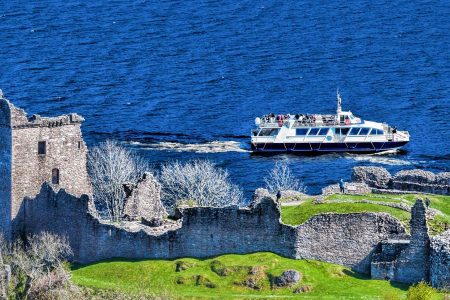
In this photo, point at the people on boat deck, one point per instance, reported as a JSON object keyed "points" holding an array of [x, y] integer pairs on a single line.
{"points": [[347, 120], [342, 186]]}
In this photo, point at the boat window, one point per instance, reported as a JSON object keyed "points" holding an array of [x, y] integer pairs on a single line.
{"points": [[344, 131], [255, 132], [302, 131], [314, 131], [269, 132], [373, 131], [364, 131], [354, 131], [323, 131], [380, 132]]}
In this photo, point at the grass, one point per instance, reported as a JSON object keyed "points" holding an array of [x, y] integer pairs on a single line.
{"points": [[295, 215], [204, 279]]}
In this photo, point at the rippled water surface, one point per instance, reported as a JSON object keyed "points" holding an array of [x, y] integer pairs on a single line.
{"points": [[185, 79]]}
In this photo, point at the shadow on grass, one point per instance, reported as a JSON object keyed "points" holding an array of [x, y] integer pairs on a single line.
{"points": [[398, 285]]}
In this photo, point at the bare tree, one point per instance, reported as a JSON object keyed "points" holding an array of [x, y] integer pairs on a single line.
{"points": [[110, 165], [200, 182], [5, 272], [281, 178], [41, 260]]}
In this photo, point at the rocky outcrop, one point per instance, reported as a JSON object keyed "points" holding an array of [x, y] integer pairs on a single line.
{"points": [[415, 180], [421, 181], [287, 278], [376, 177], [143, 200], [440, 261]]}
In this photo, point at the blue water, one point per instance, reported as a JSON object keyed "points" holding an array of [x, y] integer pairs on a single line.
{"points": [[193, 72]]}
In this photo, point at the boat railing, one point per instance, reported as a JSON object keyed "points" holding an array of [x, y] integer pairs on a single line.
{"points": [[275, 124]]}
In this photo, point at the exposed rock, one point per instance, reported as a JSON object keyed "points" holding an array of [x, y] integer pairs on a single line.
{"points": [[443, 178], [143, 199], [404, 181], [252, 282], [376, 177], [415, 176], [182, 265], [287, 278], [203, 280], [421, 181]]}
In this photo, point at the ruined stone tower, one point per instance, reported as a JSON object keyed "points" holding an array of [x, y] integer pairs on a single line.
{"points": [[34, 150]]}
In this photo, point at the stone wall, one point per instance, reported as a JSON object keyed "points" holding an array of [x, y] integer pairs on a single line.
{"points": [[406, 260], [440, 261], [403, 181], [347, 239], [65, 151], [143, 199]]}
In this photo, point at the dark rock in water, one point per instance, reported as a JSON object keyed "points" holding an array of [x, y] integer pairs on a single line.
{"points": [[287, 278]]}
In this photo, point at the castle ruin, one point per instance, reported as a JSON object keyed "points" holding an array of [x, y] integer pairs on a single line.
{"points": [[35, 150], [44, 186]]}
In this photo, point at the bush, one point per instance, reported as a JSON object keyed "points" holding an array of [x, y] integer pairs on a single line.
{"points": [[281, 178], [421, 291], [110, 165], [199, 182], [37, 269]]}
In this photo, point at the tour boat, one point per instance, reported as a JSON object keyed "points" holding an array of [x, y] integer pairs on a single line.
{"points": [[315, 133]]}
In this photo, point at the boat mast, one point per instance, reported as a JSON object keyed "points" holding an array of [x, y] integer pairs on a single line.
{"points": [[339, 102]]}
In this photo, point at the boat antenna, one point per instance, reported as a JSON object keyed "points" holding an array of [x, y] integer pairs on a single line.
{"points": [[339, 101]]}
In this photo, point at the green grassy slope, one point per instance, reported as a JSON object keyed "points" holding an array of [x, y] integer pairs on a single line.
{"points": [[295, 215], [326, 281]]}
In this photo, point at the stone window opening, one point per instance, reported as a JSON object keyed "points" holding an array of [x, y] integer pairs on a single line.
{"points": [[55, 176], [42, 148], [80, 144]]}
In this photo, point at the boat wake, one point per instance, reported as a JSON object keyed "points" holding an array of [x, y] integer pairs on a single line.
{"points": [[378, 158], [209, 147]]}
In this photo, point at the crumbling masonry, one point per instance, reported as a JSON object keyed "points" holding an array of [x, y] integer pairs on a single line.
{"points": [[34, 198]]}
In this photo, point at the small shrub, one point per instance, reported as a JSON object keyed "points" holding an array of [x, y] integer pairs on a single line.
{"points": [[391, 296], [421, 291], [281, 178]]}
